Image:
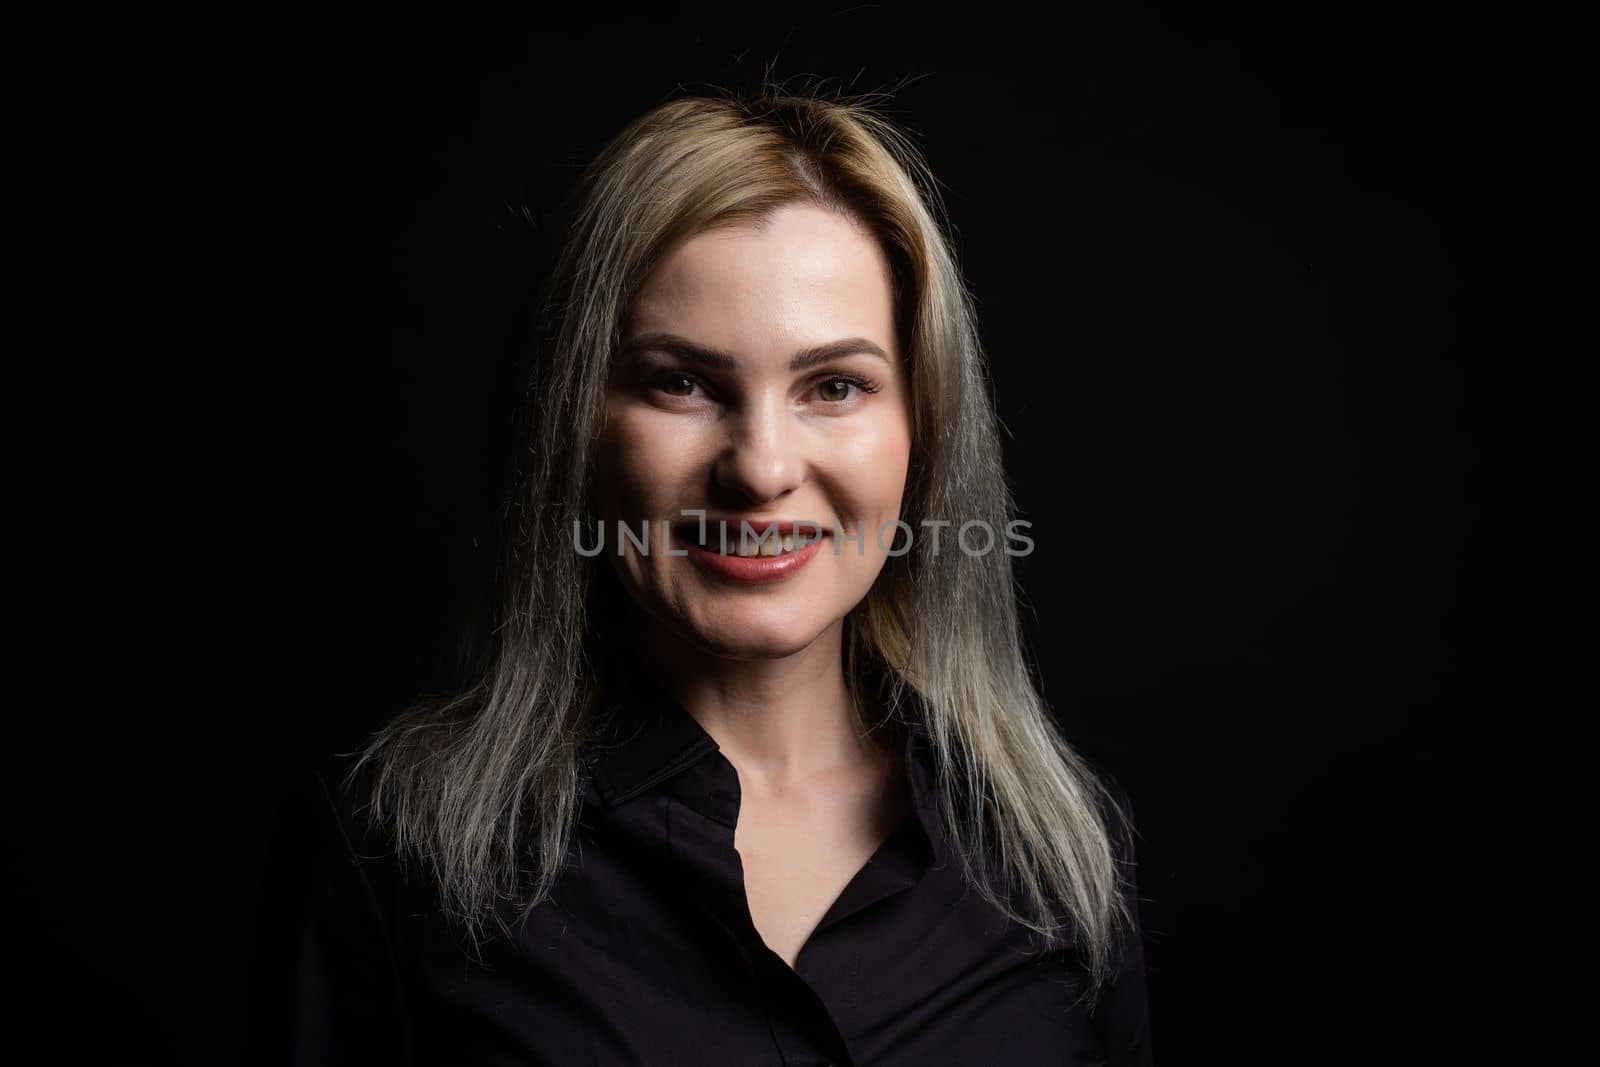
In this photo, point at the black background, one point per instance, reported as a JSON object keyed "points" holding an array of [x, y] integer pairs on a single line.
{"points": [[1279, 303]]}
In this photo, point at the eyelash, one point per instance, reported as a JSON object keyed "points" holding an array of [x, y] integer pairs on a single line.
{"points": [[861, 384]]}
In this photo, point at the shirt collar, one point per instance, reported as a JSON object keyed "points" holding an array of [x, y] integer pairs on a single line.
{"points": [[645, 738]]}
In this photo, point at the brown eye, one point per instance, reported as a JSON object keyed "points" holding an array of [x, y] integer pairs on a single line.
{"points": [[677, 385], [836, 389]]}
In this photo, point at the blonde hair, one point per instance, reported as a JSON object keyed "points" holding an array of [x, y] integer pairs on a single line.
{"points": [[483, 786]]}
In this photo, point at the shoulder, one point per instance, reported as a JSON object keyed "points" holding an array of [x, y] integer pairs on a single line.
{"points": [[342, 790], [327, 958], [1115, 806], [1121, 1009], [328, 845], [1117, 815]]}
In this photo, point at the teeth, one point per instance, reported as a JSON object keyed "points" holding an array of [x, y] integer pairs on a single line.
{"points": [[767, 546], [762, 545]]}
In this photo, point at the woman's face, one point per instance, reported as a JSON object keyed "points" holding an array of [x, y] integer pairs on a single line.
{"points": [[759, 379]]}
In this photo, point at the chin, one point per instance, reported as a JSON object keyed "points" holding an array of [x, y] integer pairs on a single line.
{"points": [[756, 634]]}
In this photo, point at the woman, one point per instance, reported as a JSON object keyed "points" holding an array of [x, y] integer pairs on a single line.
{"points": [[753, 771]]}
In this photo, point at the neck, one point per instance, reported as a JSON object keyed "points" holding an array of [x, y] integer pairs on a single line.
{"points": [[778, 720]]}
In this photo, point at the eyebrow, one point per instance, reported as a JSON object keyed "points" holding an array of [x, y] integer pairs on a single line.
{"points": [[706, 356]]}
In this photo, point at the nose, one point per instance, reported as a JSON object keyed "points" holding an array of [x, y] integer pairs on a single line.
{"points": [[760, 462]]}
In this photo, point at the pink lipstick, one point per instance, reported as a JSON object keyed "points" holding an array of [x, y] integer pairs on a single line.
{"points": [[756, 567]]}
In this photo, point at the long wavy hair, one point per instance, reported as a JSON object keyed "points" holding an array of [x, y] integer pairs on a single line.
{"points": [[482, 786]]}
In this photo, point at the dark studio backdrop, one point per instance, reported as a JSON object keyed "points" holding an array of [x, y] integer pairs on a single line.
{"points": [[1279, 304]]}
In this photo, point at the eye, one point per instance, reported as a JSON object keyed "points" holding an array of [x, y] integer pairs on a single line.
{"points": [[838, 388], [677, 383]]}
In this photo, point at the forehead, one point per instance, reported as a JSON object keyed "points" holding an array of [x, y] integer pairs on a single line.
{"points": [[804, 275]]}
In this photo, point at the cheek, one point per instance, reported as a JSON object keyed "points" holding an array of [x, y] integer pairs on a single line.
{"points": [[873, 469], [643, 461]]}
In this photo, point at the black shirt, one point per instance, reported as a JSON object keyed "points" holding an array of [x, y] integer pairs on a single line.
{"points": [[645, 952]]}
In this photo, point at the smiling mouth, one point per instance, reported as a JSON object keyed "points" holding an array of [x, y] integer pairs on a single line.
{"points": [[753, 546]]}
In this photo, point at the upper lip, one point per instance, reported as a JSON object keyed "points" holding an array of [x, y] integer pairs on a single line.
{"points": [[732, 523]]}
